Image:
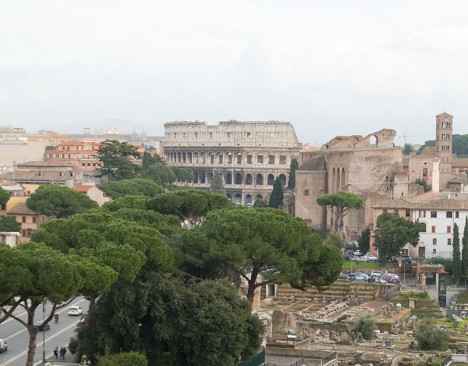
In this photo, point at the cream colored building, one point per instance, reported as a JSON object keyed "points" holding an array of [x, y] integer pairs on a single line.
{"points": [[249, 155]]}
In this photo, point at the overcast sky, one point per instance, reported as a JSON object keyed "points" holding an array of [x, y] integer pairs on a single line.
{"points": [[331, 67]]}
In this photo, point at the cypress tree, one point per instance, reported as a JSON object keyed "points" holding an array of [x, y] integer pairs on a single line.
{"points": [[292, 173], [464, 261], [277, 196], [456, 254], [217, 185]]}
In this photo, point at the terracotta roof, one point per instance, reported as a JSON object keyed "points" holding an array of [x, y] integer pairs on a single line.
{"points": [[33, 176], [443, 203], [83, 188], [43, 164], [446, 204], [21, 209]]}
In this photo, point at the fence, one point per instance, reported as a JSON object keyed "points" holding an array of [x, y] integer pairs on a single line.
{"points": [[257, 360]]}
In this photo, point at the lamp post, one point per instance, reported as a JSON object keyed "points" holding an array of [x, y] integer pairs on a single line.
{"points": [[43, 332]]}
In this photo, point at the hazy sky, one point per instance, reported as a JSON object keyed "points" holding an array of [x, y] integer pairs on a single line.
{"points": [[331, 67]]}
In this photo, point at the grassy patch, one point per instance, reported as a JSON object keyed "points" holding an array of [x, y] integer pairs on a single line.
{"points": [[355, 265]]}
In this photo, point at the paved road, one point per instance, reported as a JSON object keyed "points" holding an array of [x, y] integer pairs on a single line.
{"points": [[17, 337]]}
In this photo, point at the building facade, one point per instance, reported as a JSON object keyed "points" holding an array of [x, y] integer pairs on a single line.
{"points": [[437, 214], [248, 155], [368, 166]]}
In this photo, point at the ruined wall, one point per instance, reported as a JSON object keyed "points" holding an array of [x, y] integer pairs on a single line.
{"points": [[365, 166], [309, 185]]}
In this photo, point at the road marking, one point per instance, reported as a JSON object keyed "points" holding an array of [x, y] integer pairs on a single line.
{"points": [[38, 345]]}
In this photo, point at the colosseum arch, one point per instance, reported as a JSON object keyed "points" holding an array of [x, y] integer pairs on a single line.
{"points": [[238, 178], [259, 180], [271, 179], [248, 179], [195, 177], [202, 177], [228, 178], [282, 179]]}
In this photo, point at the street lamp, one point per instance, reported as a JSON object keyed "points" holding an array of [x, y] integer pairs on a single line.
{"points": [[43, 332]]}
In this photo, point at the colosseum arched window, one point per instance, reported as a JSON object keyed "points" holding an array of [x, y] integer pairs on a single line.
{"points": [[271, 179]]}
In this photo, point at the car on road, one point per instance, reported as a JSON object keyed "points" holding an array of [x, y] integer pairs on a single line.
{"points": [[3, 345], [75, 310], [42, 327]]}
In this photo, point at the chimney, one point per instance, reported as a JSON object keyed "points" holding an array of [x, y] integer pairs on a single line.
{"points": [[435, 175]]}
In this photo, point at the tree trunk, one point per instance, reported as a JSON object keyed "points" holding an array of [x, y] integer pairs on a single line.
{"points": [[252, 285], [79, 351], [32, 346]]}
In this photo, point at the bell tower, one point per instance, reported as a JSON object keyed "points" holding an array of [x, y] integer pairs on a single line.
{"points": [[444, 132]]}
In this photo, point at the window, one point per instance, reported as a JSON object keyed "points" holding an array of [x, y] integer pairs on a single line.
{"points": [[283, 159], [23, 219], [249, 159], [449, 241], [34, 219], [407, 212], [239, 159], [306, 192], [433, 229], [434, 251], [448, 214], [434, 241], [434, 214], [271, 159], [457, 214], [422, 227], [260, 159], [449, 229]]}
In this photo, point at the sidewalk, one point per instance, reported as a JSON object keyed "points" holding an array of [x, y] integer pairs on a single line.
{"points": [[69, 360]]}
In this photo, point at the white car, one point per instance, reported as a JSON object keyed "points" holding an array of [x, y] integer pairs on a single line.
{"points": [[3, 345], [75, 310]]}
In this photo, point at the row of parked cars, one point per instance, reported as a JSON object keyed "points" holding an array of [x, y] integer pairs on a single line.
{"points": [[357, 256], [375, 276]]}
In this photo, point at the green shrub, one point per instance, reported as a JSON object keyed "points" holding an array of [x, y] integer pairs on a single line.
{"points": [[125, 358], [431, 337], [366, 326]]}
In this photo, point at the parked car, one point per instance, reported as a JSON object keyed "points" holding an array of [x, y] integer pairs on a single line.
{"points": [[390, 278], [371, 258], [375, 273], [358, 276], [343, 276], [357, 253], [3, 345], [42, 327], [75, 310], [359, 259]]}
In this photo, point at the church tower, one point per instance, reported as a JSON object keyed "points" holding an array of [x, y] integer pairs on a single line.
{"points": [[444, 132]]}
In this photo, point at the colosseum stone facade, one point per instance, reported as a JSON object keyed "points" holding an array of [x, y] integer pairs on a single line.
{"points": [[249, 155]]}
